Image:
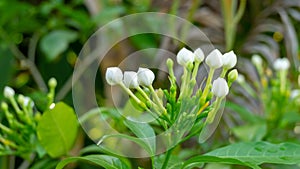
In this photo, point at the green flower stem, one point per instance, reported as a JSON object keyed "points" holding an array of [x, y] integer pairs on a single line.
{"points": [[137, 100], [129, 92], [139, 89], [167, 158], [282, 76], [231, 19], [157, 100], [193, 79], [28, 116], [224, 71], [183, 82], [50, 96], [211, 115], [5, 129], [208, 84], [15, 105], [195, 70]]}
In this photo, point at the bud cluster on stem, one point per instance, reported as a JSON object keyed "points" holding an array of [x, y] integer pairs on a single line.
{"points": [[142, 80]]}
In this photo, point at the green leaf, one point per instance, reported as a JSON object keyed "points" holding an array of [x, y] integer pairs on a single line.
{"points": [[105, 161], [199, 160], [56, 42], [57, 130], [260, 152], [138, 141], [143, 131]]}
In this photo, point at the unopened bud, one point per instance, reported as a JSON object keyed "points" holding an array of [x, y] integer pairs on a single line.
{"points": [[8, 92], [52, 82], [233, 75]]}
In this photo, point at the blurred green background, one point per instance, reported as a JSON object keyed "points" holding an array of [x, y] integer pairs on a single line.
{"points": [[40, 39]]}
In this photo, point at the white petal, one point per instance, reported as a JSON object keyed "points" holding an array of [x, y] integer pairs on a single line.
{"points": [[130, 79], [213, 60], [8, 92], [113, 75], [281, 64], [199, 55], [229, 60], [220, 87], [145, 76], [185, 56], [256, 60]]}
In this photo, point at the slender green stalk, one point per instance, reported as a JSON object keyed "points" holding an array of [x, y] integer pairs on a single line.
{"points": [[212, 114], [231, 19], [157, 100], [15, 105], [224, 71], [208, 84], [129, 92], [167, 158]]}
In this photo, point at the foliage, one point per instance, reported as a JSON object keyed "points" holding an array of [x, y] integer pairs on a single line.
{"points": [[41, 39]]}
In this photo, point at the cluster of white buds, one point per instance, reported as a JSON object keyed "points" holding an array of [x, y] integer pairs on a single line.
{"points": [[131, 79], [190, 61]]}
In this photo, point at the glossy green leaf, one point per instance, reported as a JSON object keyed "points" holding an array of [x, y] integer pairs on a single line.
{"points": [[201, 159], [57, 130], [143, 131], [260, 152], [250, 154], [56, 42], [138, 141], [105, 161]]}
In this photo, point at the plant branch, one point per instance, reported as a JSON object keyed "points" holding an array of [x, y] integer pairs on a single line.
{"points": [[29, 64]]}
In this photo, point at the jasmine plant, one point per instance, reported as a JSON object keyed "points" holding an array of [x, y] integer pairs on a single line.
{"points": [[182, 111], [277, 116]]}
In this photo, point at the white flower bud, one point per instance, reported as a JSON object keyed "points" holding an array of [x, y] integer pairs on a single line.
{"points": [[233, 75], [52, 82], [185, 56], [256, 60], [24, 100], [199, 55], [145, 77], [27, 100], [240, 79], [213, 60], [114, 75], [281, 64], [229, 60], [8, 92], [4, 106], [295, 93], [220, 87], [130, 79], [21, 99]]}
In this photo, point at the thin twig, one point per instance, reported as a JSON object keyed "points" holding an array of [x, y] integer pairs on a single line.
{"points": [[32, 46], [29, 64]]}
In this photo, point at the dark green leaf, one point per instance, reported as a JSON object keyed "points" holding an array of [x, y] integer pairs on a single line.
{"points": [[260, 152], [57, 130], [143, 131], [138, 141], [199, 160], [105, 161], [57, 42]]}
